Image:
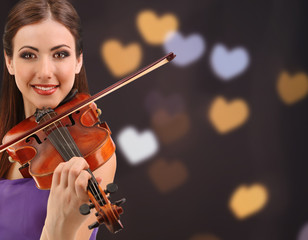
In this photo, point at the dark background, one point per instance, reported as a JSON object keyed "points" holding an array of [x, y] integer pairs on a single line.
{"points": [[268, 149]]}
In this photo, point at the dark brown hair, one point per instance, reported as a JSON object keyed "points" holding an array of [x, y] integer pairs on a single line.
{"points": [[24, 13]]}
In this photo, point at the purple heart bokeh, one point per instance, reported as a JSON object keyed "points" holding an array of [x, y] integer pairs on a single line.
{"points": [[303, 233], [173, 103], [187, 50]]}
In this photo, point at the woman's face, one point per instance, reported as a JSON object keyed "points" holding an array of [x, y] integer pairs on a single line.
{"points": [[44, 64]]}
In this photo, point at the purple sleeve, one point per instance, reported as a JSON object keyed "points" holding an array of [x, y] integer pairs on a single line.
{"points": [[23, 210], [94, 233]]}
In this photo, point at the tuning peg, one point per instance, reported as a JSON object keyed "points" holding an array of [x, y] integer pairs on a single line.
{"points": [[11, 159], [120, 202], [85, 208], [111, 188], [99, 111], [93, 225]]}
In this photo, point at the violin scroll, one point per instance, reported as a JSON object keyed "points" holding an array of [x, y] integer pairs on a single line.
{"points": [[107, 213]]}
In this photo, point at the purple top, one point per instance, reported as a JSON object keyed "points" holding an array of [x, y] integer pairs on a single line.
{"points": [[23, 217]]}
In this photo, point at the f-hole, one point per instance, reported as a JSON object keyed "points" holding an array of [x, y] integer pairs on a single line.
{"points": [[37, 139], [72, 119]]}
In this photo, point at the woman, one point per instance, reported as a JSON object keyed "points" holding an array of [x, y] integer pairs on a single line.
{"points": [[43, 63]]}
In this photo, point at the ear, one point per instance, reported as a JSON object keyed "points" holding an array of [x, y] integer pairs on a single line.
{"points": [[79, 63], [9, 63]]}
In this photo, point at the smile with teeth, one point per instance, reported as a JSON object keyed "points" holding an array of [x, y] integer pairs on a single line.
{"points": [[44, 88]]}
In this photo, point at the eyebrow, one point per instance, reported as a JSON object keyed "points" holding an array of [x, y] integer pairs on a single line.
{"points": [[35, 49], [52, 49], [59, 46]]}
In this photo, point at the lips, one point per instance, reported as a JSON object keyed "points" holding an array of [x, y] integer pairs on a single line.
{"points": [[45, 89]]}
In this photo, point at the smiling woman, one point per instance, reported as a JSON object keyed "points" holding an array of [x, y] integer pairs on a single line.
{"points": [[44, 66], [44, 62]]}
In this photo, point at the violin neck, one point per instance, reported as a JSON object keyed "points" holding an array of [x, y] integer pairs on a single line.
{"points": [[62, 140]]}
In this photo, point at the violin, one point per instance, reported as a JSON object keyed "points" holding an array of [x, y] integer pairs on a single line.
{"points": [[41, 142]]}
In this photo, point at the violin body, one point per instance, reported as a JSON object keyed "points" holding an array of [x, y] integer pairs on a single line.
{"points": [[92, 138], [79, 134]]}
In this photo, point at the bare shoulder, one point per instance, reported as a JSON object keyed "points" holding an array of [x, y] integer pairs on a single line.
{"points": [[107, 171]]}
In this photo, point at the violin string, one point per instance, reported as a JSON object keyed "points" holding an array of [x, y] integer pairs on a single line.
{"points": [[93, 185], [61, 134], [64, 154], [60, 146], [56, 140]]}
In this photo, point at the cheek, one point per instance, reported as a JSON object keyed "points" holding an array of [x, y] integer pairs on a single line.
{"points": [[65, 74], [23, 74]]}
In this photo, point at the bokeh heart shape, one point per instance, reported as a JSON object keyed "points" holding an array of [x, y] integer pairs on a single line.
{"points": [[153, 28], [292, 89], [120, 59], [226, 116], [174, 103], [205, 236], [188, 49], [303, 233], [228, 63], [248, 200], [170, 127], [137, 146], [167, 175]]}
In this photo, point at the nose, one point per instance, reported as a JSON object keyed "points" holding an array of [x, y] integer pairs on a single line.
{"points": [[44, 71]]}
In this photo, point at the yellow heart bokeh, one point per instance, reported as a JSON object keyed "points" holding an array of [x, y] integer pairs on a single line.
{"points": [[246, 201], [154, 29], [204, 237], [292, 89], [121, 60], [227, 116]]}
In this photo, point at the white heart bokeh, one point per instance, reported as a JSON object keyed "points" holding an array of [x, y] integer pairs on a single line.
{"points": [[137, 147], [228, 64]]}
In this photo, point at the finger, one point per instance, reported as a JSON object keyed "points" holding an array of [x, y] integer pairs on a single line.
{"points": [[64, 175], [76, 167], [99, 180], [81, 185], [56, 178]]}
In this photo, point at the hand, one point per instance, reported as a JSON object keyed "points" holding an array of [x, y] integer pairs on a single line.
{"points": [[68, 192]]}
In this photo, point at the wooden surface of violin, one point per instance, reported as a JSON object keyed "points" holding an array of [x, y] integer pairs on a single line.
{"points": [[92, 138], [79, 134]]}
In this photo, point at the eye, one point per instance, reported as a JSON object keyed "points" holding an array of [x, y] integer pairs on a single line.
{"points": [[27, 55], [62, 54]]}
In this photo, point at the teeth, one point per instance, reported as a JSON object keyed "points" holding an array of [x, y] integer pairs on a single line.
{"points": [[44, 88]]}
